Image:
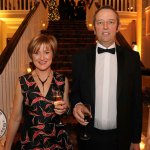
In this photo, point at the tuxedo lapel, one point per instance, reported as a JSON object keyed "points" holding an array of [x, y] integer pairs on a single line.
{"points": [[120, 62]]}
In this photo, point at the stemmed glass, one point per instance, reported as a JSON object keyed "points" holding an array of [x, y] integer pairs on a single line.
{"points": [[57, 96], [85, 135]]}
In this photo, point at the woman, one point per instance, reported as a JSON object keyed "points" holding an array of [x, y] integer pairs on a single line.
{"points": [[34, 101]]}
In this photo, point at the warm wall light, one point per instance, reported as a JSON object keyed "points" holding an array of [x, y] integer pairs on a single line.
{"points": [[90, 25], [142, 146], [29, 70], [43, 25]]}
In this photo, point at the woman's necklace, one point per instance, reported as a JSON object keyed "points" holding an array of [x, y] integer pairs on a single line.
{"points": [[43, 82]]}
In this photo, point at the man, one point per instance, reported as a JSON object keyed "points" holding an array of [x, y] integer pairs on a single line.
{"points": [[108, 78]]}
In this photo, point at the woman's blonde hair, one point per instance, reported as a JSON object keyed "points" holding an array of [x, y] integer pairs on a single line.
{"points": [[48, 40]]}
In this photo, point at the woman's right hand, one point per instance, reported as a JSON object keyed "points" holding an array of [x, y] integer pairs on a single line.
{"points": [[60, 107]]}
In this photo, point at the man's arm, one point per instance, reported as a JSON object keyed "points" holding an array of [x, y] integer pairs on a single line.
{"points": [[137, 104]]}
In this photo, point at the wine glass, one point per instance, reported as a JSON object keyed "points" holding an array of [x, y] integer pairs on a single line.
{"points": [[57, 96], [85, 135]]}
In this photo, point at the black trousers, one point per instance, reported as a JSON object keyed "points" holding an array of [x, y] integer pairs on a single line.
{"points": [[102, 139]]}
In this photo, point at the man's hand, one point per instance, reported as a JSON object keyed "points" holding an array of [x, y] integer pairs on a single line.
{"points": [[78, 113]]}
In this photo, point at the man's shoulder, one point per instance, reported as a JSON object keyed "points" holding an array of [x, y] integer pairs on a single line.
{"points": [[127, 50]]}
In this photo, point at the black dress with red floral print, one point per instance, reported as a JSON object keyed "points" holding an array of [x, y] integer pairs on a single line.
{"points": [[38, 130]]}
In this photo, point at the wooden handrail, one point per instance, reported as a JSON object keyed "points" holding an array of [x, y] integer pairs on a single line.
{"points": [[44, 3], [122, 41], [90, 4], [6, 54], [145, 71]]}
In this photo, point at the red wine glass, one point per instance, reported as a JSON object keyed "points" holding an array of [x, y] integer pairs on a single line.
{"points": [[85, 135]]}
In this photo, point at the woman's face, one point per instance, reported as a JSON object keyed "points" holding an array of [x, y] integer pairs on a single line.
{"points": [[42, 58]]}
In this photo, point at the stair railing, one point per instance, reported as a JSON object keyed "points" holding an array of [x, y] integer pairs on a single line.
{"points": [[14, 59], [17, 4], [125, 5]]}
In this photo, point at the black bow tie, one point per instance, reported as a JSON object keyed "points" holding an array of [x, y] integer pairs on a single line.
{"points": [[101, 50]]}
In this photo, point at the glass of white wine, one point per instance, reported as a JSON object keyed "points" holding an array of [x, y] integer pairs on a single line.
{"points": [[57, 96], [85, 135]]}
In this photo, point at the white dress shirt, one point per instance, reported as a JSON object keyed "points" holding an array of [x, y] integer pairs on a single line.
{"points": [[106, 89]]}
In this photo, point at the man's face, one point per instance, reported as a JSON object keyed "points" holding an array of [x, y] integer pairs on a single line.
{"points": [[106, 27]]}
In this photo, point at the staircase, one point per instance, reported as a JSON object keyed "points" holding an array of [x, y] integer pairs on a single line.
{"points": [[72, 36]]}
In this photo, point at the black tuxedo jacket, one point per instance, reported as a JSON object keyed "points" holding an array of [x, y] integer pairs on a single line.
{"points": [[129, 102]]}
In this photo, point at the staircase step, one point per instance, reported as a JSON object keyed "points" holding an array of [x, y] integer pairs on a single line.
{"points": [[75, 45], [75, 40], [62, 64], [73, 28], [69, 28], [65, 71], [66, 34], [74, 32], [68, 50], [63, 57], [67, 23]]}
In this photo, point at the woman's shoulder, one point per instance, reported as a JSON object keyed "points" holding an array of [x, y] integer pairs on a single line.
{"points": [[59, 76]]}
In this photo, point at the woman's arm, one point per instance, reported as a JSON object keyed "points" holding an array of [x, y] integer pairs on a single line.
{"points": [[66, 92], [15, 117]]}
